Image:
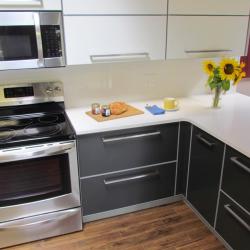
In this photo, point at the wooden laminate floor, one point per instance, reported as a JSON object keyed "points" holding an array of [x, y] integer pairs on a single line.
{"points": [[170, 227]]}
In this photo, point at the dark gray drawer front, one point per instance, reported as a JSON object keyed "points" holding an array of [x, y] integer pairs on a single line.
{"points": [[125, 149], [119, 190], [236, 177], [204, 173], [233, 224]]}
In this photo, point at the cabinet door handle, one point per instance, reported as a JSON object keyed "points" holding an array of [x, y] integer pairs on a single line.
{"points": [[21, 3], [237, 217], [129, 137], [132, 178], [239, 164], [120, 57], [207, 51], [205, 141]]}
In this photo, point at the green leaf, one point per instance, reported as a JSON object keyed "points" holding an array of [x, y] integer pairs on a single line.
{"points": [[212, 85], [226, 85]]}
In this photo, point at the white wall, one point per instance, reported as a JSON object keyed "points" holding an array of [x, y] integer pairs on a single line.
{"points": [[126, 81], [244, 87]]}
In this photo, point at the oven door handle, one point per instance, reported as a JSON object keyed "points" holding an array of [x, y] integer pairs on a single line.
{"points": [[23, 153]]}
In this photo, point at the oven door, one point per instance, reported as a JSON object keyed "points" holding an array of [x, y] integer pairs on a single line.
{"points": [[20, 40], [38, 179]]}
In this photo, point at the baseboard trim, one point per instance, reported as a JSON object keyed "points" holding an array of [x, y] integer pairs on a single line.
{"points": [[133, 208], [204, 221]]}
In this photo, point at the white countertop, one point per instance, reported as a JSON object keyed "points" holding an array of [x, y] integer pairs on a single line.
{"points": [[230, 123]]}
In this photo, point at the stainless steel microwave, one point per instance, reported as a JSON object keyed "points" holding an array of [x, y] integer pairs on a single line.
{"points": [[31, 40]]}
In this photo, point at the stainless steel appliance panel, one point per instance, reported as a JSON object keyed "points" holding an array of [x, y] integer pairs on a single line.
{"points": [[17, 18], [22, 43], [53, 204], [40, 227]]}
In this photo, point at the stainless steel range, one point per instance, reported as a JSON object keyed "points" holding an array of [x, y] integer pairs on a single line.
{"points": [[39, 184]]}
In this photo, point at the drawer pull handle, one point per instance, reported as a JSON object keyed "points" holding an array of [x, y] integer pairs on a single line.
{"points": [[237, 217], [123, 138], [207, 51], [132, 178], [239, 164], [126, 57], [205, 141]]}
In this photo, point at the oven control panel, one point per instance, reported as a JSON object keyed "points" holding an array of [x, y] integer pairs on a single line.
{"points": [[17, 92], [30, 93]]}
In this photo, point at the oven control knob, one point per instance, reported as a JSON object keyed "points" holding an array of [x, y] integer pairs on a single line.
{"points": [[49, 91], [57, 89]]}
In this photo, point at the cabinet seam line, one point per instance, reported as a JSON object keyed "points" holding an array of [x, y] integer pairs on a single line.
{"points": [[127, 170], [189, 158], [177, 158], [220, 184], [233, 200], [166, 44]]}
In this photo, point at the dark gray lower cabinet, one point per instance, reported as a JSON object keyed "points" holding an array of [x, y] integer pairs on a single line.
{"points": [[133, 166], [204, 173], [233, 224], [112, 191], [236, 177], [128, 148]]}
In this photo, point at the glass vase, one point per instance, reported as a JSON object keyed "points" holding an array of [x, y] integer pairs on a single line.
{"points": [[216, 99]]}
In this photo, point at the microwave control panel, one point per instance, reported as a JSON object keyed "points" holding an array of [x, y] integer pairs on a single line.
{"points": [[52, 42]]}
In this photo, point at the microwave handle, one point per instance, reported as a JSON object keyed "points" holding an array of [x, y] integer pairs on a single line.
{"points": [[40, 62], [21, 3]]}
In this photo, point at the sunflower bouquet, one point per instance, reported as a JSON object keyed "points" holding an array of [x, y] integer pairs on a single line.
{"points": [[221, 76]]}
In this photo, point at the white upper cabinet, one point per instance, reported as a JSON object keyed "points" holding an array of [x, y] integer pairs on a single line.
{"points": [[30, 5], [115, 7], [209, 7], [206, 36], [95, 39]]}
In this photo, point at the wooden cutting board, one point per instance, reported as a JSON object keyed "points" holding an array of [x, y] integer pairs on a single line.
{"points": [[130, 112]]}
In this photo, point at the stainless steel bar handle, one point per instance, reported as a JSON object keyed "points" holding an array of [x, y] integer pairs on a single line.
{"points": [[239, 164], [11, 225], [21, 3], [132, 178], [129, 137], [119, 57], [23, 153], [237, 217], [205, 141], [36, 17], [207, 51]]}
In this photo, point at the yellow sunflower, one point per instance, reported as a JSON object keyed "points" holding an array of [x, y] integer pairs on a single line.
{"points": [[209, 66], [239, 77], [242, 65], [229, 69]]}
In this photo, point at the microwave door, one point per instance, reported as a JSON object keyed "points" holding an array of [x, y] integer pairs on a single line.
{"points": [[20, 41]]}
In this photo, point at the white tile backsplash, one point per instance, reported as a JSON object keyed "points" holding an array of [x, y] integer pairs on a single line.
{"points": [[124, 81]]}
